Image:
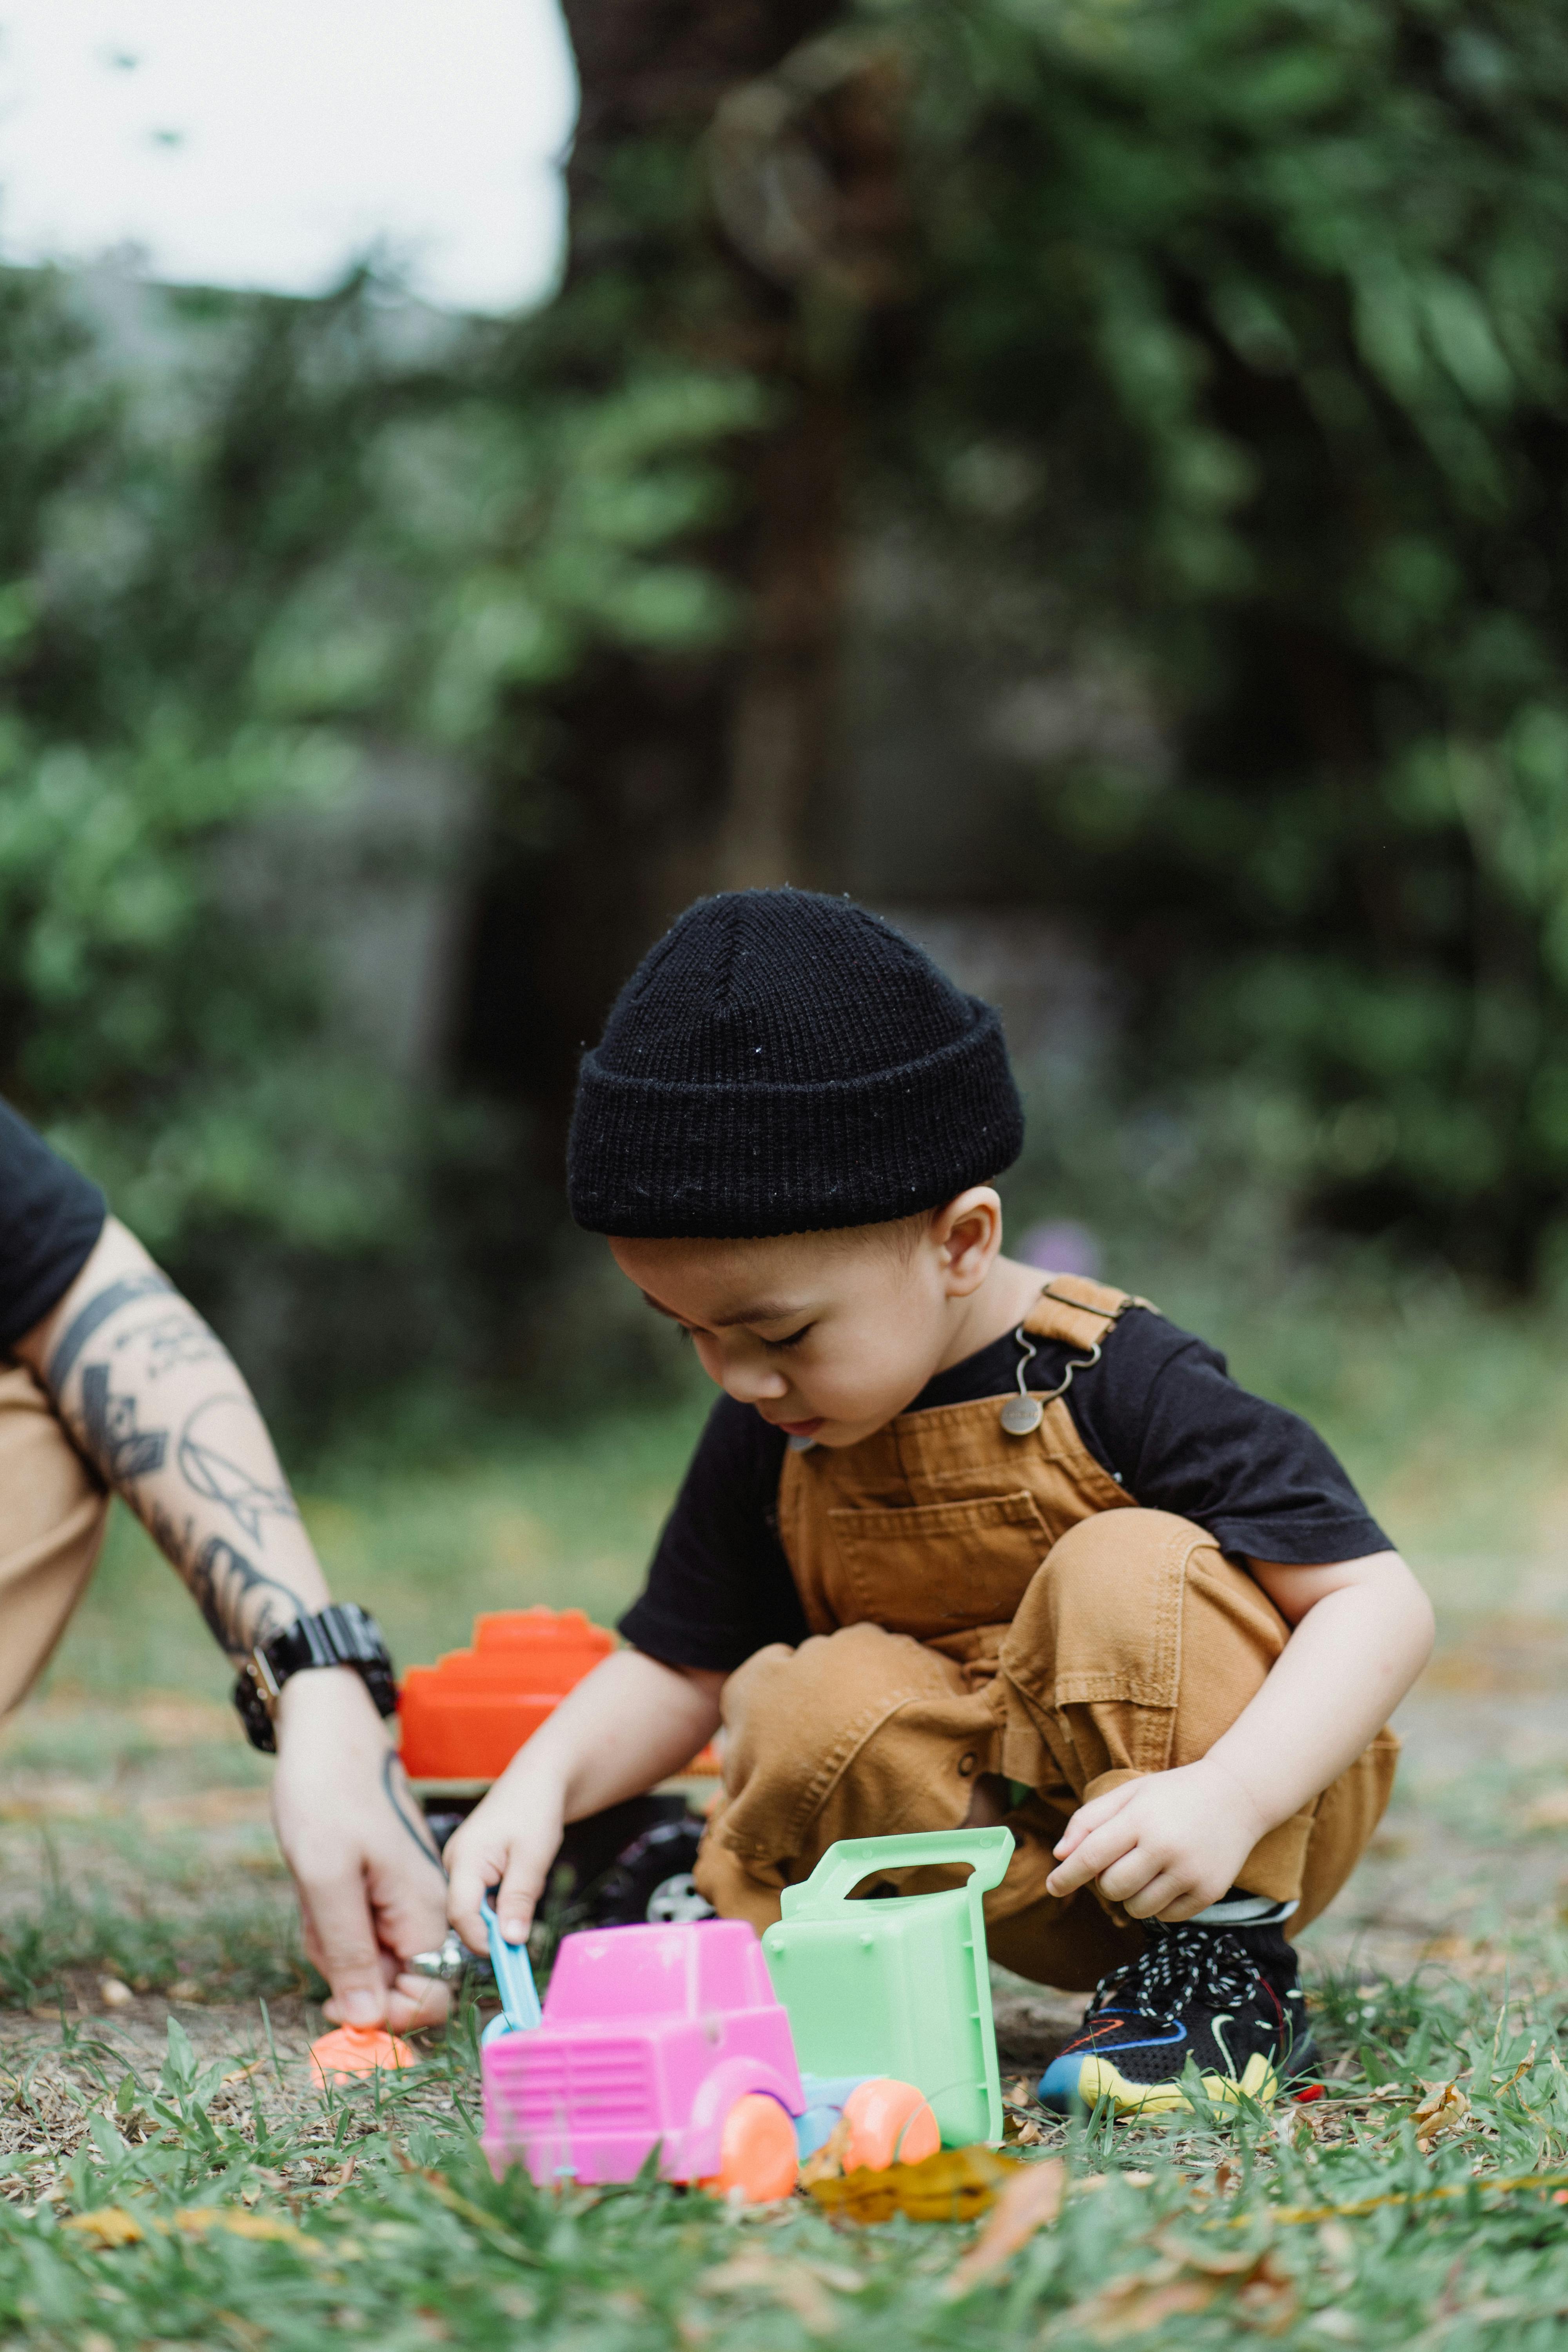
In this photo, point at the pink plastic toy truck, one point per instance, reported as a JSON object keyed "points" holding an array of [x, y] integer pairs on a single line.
{"points": [[667, 2037]]}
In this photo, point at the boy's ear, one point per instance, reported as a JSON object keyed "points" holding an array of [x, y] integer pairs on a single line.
{"points": [[968, 1232]]}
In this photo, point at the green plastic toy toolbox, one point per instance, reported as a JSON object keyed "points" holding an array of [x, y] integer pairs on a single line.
{"points": [[899, 1985]]}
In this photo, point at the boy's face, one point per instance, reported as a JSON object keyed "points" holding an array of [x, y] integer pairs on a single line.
{"points": [[827, 1335]]}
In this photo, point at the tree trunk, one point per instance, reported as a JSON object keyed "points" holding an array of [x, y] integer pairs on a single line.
{"points": [[675, 776]]}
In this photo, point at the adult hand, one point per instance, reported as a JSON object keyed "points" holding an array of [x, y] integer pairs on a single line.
{"points": [[369, 1884], [1163, 1846]]}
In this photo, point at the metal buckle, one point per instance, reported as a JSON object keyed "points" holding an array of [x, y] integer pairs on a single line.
{"points": [[267, 1688]]}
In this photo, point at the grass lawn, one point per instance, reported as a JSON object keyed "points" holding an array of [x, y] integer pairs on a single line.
{"points": [[234, 2206]]}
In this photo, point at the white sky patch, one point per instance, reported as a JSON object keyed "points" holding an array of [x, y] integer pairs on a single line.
{"points": [[265, 143]]}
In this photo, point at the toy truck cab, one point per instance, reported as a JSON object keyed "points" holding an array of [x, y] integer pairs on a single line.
{"points": [[652, 2037]]}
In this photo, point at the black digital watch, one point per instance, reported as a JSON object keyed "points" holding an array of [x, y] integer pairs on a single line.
{"points": [[340, 1635]]}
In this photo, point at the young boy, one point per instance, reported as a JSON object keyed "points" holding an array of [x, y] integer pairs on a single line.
{"points": [[961, 1541]]}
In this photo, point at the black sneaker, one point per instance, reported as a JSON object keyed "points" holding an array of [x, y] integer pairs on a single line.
{"points": [[1225, 1998]]}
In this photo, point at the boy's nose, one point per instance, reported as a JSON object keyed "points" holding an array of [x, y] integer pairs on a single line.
{"points": [[747, 1384]]}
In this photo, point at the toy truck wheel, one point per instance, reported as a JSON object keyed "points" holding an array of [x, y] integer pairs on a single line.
{"points": [[887, 2122], [757, 2153]]}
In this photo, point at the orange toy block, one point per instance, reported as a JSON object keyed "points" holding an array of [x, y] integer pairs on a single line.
{"points": [[350, 2051], [465, 1718]]}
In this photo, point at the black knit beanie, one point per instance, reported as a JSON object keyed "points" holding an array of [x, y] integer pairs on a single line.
{"points": [[783, 1063]]}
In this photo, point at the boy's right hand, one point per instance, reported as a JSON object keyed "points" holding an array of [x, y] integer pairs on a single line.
{"points": [[625, 1726], [512, 1837]]}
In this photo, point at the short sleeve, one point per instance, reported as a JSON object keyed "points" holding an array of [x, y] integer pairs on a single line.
{"points": [[1163, 1415], [50, 1218], [719, 1586]]}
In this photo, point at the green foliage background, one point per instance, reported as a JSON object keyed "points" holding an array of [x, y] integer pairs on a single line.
{"points": [[1254, 310], [1240, 323]]}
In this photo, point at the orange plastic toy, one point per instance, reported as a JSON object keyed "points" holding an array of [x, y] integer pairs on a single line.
{"points": [[465, 1717], [758, 2159], [886, 2122], [351, 2051]]}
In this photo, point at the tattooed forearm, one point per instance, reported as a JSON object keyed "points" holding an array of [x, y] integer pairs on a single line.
{"points": [[212, 1447], [393, 1782], [241, 1605], [167, 1341], [113, 1440], [158, 1406]]}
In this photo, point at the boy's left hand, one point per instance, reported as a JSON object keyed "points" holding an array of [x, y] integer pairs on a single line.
{"points": [[1163, 1846]]}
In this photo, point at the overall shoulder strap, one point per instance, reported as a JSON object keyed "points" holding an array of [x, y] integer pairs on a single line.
{"points": [[1079, 1312]]}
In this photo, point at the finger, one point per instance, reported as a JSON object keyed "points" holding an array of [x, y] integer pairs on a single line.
{"points": [[1102, 1847], [521, 1888], [1125, 1878], [472, 1865], [350, 1954], [1093, 1815], [1183, 1901], [407, 1894], [416, 2001], [1154, 1897]]}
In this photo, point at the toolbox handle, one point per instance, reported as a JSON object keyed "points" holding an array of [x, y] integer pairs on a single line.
{"points": [[845, 1864]]}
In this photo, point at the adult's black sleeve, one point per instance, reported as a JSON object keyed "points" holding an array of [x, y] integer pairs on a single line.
{"points": [[50, 1218], [720, 1585], [1163, 1415]]}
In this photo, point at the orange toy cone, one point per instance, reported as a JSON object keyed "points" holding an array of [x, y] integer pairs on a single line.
{"points": [[350, 2052]]}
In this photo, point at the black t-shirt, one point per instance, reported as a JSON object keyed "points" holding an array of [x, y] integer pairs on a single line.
{"points": [[1159, 1411], [50, 1218]]}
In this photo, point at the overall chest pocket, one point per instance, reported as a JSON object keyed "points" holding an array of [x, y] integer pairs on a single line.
{"points": [[938, 1568]]}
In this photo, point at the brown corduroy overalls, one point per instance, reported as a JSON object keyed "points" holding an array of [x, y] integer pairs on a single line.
{"points": [[985, 1603]]}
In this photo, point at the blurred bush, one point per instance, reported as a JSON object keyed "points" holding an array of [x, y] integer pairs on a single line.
{"points": [[1244, 324], [244, 552], [1233, 333]]}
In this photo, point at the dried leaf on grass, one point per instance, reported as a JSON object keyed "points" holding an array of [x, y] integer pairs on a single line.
{"points": [[955, 2185], [109, 2226], [1029, 2201], [800, 2287], [1188, 2279], [827, 2162], [1443, 2109]]}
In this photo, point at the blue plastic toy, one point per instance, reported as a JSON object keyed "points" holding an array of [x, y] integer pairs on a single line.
{"points": [[520, 2010]]}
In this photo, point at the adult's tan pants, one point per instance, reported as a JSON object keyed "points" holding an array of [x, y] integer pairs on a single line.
{"points": [[52, 1517], [1137, 1644]]}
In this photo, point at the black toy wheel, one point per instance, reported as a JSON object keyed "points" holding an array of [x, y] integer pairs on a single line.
{"points": [[652, 1879]]}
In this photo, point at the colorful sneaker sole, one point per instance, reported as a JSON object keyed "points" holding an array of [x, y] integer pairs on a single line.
{"points": [[1078, 2085]]}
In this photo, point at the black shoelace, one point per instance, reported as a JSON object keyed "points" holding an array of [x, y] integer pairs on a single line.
{"points": [[1176, 1967]]}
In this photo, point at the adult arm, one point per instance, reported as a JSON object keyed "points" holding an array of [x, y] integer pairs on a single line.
{"points": [[626, 1725], [158, 1406], [1172, 1842]]}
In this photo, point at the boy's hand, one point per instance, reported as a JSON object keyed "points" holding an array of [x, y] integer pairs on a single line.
{"points": [[511, 1837], [366, 1872], [1164, 1846]]}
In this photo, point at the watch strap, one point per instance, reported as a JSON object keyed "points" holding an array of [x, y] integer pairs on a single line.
{"points": [[342, 1634]]}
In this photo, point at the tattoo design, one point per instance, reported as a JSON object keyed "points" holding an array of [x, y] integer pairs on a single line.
{"points": [[122, 1450], [97, 1312], [224, 1584], [418, 1828], [173, 1542], [173, 1339], [210, 1445]]}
